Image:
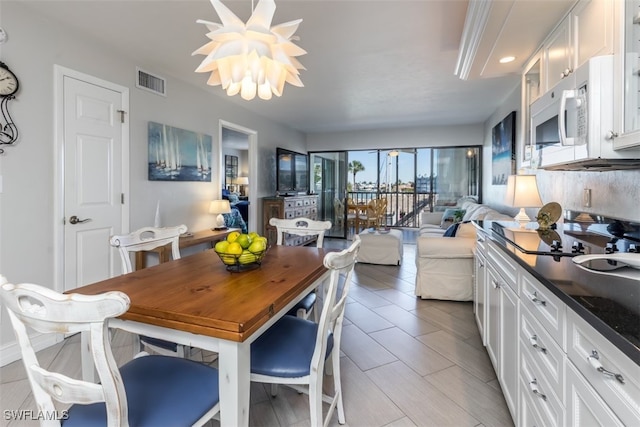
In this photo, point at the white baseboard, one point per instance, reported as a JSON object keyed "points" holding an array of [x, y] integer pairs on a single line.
{"points": [[10, 352]]}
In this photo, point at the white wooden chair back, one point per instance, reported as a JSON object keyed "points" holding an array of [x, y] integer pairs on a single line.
{"points": [[146, 239], [340, 265], [47, 311], [301, 227]]}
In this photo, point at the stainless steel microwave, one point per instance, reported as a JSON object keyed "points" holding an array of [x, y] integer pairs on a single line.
{"points": [[571, 124]]}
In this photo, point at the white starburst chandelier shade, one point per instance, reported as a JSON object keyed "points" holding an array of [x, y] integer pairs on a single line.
{"points": [[253, 57]]}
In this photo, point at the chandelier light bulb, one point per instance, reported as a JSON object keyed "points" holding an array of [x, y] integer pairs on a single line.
{"points": [[253, 57]]}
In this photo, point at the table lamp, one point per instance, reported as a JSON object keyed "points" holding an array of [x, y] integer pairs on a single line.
{"points": [[522, 192], [242, 181], [219, 207]]}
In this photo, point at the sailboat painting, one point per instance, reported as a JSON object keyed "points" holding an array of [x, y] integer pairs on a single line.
{"points": [[178, 155]]}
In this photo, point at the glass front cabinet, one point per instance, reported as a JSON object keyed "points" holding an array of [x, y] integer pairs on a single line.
{"points": [[627, 86]]}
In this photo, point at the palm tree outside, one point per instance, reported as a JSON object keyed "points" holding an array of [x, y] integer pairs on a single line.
{"points": [[355, 167]]}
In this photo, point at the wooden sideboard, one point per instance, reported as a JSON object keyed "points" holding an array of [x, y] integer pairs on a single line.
{"points": [[186, 240], [289, 208]]}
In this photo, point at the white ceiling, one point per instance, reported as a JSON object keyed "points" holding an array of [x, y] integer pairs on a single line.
{"points": [[370, 63]]}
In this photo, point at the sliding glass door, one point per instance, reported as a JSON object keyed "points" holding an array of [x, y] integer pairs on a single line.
{"points": [[412, 180], [329, 183]]}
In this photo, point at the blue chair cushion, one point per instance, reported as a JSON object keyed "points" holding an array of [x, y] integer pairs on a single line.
{"points": [[306, 303], [168, 345], [161, 391], [285, 349]]}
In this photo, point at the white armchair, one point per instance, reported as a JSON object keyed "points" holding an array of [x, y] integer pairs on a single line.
{"points": [[445, 265]]}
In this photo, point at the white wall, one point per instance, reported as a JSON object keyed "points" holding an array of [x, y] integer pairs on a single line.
{"points": [[434, 136], [613, 193], [26, 201]]}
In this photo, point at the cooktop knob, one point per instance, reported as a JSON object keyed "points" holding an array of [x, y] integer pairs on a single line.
{"points": [[555, 246], [577, 248], [611, 248]]}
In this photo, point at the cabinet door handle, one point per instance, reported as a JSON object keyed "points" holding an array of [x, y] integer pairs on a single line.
{"points": [[534, 299], [594, 360], [495, 284], [533, 385], [534, 343]]}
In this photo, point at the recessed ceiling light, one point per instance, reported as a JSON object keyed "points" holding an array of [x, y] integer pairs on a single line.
{"points": [[507, 59]]}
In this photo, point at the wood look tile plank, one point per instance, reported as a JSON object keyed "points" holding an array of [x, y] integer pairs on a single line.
{"points": [[399, 298], [448, 322], [408, 322], [412, 352], [365, 403], [363, 350], [424, 404], [366, 297], [402, 422], [366, 319], [474, 361], [479, 398]]}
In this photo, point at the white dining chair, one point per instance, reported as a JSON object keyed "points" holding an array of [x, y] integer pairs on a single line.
{"points": [[302, 227], [147, 391], [294, 350], [146, 239]]}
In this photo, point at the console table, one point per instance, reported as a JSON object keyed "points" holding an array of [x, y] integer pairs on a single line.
{"points": [[186, 240]]}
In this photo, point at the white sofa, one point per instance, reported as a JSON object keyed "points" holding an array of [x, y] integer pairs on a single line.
{"points": [[445, 264]]}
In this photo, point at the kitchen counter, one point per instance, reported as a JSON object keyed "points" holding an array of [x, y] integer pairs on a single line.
{"points": [[610, 304]]}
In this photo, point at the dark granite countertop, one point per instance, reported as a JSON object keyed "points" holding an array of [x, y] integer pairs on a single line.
{"points": [[610, 304]]}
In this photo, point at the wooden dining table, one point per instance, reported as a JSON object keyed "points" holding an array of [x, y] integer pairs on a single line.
{"points": [[195, 301]]}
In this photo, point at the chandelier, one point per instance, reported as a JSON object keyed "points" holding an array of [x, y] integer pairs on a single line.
{"points": [[253, 57]]}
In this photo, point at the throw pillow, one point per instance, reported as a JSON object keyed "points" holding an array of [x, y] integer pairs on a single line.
{"points": [[233, 198], [451, 231], [451, 215], [447, 218]]}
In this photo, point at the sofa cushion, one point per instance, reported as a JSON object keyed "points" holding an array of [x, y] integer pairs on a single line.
{"points": [[466, 230]]}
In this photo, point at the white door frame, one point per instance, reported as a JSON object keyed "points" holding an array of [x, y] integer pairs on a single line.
{"points": [[59, 73], [253, 166]]}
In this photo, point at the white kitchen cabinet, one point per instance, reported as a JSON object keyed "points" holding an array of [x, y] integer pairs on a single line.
{"points": [[627, 81], [479, 272], [593, 28], [502, 320], [558, 54], [612, 375], [584, 406], [543, 352]]}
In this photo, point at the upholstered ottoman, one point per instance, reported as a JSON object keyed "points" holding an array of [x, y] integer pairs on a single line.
{"points": [[381, 248]]}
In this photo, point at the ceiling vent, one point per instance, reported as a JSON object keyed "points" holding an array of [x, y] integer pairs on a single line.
{"points": [[152, 83]]}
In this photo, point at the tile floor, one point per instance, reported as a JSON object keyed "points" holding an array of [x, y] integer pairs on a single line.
{"points": [[405, 361]]}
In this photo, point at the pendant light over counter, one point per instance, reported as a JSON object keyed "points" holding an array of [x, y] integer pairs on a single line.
{"points": [[253, 57]]}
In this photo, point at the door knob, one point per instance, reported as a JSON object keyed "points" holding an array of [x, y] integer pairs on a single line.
{"points": [[75, 220]]}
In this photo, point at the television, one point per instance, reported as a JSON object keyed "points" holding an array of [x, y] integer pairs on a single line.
{"points": [[292, 172]]}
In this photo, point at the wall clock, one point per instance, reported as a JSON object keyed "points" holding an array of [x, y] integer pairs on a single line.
{"points": [[9, 85]]}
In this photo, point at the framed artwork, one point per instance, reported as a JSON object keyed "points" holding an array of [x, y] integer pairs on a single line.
{"points": [[503, 150], [178, 155], [230, 171]]}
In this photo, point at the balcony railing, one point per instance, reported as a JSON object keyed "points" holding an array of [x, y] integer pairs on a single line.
{"points": [[403, 209]]}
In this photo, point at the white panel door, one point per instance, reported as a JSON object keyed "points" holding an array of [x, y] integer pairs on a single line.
{"points": [[92, 180]]}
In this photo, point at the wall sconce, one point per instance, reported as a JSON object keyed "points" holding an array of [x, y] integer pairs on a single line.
{"points": [[219, 207]]}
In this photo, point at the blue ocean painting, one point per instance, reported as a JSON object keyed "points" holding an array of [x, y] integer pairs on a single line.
{"points": [[178, 155], [503, 150]]}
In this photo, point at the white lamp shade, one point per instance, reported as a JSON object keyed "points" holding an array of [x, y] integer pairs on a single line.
{"points": [[219, 207], [242, 180], [522, 192]]}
